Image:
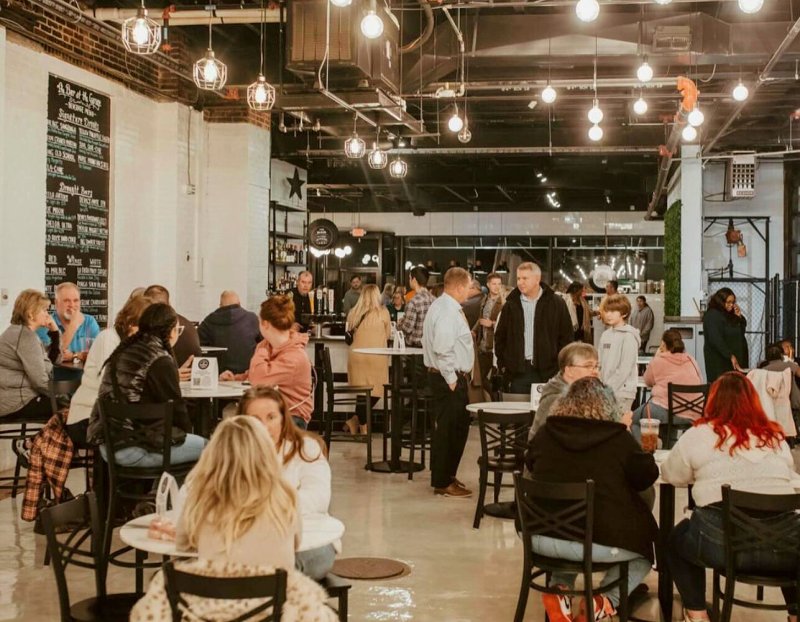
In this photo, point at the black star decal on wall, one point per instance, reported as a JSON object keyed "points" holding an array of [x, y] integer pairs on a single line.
{"points": [[296, 185]]}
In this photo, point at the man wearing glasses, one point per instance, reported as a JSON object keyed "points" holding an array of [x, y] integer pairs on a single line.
{"points": [[77, 329], [575, 361]]}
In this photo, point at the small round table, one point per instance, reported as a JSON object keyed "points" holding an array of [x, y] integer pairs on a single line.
{"points": [[394, 465], [512, 408], [229, 389]]}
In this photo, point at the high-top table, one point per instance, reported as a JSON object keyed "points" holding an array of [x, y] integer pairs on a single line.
{"points": [[511, 408], [394, 465], [207, 400]]}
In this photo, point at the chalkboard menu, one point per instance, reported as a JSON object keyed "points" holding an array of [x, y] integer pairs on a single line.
{"points": [[78, 152]]}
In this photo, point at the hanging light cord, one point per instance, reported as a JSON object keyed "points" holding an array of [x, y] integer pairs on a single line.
{"points": [[261, 44], [210, 17]]}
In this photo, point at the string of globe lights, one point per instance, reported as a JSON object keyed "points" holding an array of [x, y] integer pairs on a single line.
{"points": [[589, 10]]}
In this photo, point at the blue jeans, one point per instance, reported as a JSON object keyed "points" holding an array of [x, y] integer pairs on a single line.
{"points": [[656, 412], [697, 543], [638, 568], [188, 451], [315, 563]]}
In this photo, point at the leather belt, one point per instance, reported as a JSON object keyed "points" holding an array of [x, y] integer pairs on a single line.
{"points": [[465, 374]]}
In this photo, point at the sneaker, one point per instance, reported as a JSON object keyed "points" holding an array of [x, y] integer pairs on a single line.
{"points": [[453, 491], [603, 609], [558, 607], [23, 452]]}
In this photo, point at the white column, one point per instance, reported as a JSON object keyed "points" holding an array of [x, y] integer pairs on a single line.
{"points": [[691, 229]]}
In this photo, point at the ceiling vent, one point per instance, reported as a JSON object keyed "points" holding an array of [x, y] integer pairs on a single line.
{"points": [[669, 39], [740, 176]]}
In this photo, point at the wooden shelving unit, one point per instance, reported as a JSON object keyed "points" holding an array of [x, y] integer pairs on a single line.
{"points": [[287, 236]]}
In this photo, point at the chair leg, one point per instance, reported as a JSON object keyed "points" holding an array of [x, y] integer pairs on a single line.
{"points": [[622, 610], [424, 418], [385, 430], [412, 438], [760, 593], [483, 477], [727, 603], [343, 606], [328, 426], [18, 465], [716, 596], [524, 591], [369, 432], [141, 556], [498, 482]]}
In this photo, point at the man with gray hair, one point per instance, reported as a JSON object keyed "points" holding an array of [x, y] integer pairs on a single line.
{"points": [[233, 328], [472, 305], [77, 329], [532, 329]]}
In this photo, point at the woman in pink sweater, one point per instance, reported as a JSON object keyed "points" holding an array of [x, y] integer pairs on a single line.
{"points": [[281, 360], [670, 364]]}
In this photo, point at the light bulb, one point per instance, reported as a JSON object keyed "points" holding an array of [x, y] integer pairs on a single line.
{"points": [[398, 168], [261, 94], [740, 92], [339, 252], [549, 94], [645, 72], [348, 250], [595, 133], [689, 134], [595, 114], [455, 123], [640, 106], [141, 33], [662, 2], [341, 3], [587, 10], [371, 25], [354, 147], [210, 73], [464, 136], [377, 159], [696, 117], [750, 6]]}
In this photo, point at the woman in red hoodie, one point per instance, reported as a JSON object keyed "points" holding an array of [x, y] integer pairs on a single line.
{"points": [[281, 360], [670, 364]]}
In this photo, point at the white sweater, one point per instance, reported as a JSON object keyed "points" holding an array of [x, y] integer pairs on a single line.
{"points": [[80, 407], [695, 460]]}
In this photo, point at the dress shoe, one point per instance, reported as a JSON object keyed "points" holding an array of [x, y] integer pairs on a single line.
{"points": [[459, 483], [453, 491]]}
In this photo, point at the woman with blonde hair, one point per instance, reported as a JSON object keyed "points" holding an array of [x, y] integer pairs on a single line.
{"points": [[238, 507], [369, 322]]}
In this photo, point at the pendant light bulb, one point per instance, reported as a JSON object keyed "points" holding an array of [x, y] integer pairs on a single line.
{"points": [[398, 168], [210, 72], [140, 34], [371, 25], [689, 134], [377, 158], [663, 2], [341, 3], [750, 6], [595, 133], [464, 136], [640, 106], [587, 10], [261, 94], [595, 114], [354, 146], [455, 123], [549, 94], [696, 117], [645, 72], [740, 92]]}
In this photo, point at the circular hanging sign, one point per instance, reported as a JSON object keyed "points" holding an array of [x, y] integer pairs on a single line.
{"points": [[323, 234]]}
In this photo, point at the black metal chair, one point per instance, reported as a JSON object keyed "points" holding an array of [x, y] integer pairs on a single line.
{"points": [[685, 402], [755, 522], [272, 588], [19, 429], [134, 425], [564, 511], [337, 588], [504, 440], [74, 536]]}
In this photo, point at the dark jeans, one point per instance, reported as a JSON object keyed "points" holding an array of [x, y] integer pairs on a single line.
{"points": [[485, 360], [521, 382], [452, 428], [37, 409], [697, 543], [77, 434]]}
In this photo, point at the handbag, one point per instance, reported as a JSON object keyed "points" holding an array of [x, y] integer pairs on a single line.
{"points": [[349, 334]]}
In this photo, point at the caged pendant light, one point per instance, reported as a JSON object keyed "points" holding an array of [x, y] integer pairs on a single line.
{"points": [[398, 168], [377, 158], [261, 94], [354, 147], [141, 34], [209, 72]]}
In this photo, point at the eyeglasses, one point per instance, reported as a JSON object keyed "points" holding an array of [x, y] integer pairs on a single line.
{"points": [[589, 366], [180, 328]]}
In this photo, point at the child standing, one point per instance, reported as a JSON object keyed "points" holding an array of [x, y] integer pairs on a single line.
{"points": [[619, 349]]}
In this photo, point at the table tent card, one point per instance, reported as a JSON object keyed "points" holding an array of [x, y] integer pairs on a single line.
{"points": [[205, 373]]}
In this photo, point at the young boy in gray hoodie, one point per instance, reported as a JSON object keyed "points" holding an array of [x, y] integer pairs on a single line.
{"points": [[619, 349]]}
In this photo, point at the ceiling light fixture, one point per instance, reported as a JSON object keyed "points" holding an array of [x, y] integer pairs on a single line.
{"points": [[210, 73], [595, 114], [140, 34], [587, 10], [595, 133], [455, 123], [645, 71], [464, 136], [663, 2], [689, 134], [740, 92], [354, 147], [261, 94], [377, 158], [549, 94], [640, 106], [398, 168], [696, 117], [750, 6], [371, 23], [341, 3]]}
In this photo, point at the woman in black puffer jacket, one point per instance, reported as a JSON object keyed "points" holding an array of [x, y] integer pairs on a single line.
{"points": [[142, 369]]}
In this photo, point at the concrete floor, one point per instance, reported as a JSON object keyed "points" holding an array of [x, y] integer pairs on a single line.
{"points": [[458, 574]]}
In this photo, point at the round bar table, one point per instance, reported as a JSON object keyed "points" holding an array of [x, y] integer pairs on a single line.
{"points": [[208, 401], [394, 465]]}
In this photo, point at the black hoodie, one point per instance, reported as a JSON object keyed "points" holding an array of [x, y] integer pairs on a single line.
{"points": [[234, 328], [569, 449]]}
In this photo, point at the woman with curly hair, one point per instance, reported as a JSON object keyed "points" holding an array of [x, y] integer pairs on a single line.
{"points": [[585, 438]]}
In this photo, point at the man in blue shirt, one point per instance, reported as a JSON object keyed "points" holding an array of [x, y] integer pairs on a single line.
{"points": [[78, 330]]}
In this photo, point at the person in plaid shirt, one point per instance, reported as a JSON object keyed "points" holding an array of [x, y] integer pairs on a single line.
{"points": [[416, 308]]}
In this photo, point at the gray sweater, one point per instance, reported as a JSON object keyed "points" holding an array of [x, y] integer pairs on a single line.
{"points": [[25, 368]]}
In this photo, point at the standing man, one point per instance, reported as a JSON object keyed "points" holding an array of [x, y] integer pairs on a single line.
{"points": [[351, 297], [416, 308], [234, 328], [643, 319], [532, 329], [303, 300], [76, 328], [612, 287], [188, 344], [472, 305], [448, 356], [483, 329]]}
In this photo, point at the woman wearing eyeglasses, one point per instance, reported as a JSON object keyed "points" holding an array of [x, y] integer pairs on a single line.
{"points": [[671, 364], [725, 347]]}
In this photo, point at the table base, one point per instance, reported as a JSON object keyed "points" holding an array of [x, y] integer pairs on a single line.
{"points": [[386, 466]]}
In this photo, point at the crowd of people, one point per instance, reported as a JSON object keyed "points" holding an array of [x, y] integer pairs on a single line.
{"points": [[261, 471]]}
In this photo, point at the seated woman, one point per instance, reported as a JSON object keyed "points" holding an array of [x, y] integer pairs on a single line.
{"points": [[142, 370], [670, 364], [304, 466], [396, 306], [281, 360], [80, 407], [369, 323], [582, 439], [734, 443], [25, 366]]}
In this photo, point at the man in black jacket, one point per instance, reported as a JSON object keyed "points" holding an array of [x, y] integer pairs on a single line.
{"points": [[234, 328], [533, 327]]}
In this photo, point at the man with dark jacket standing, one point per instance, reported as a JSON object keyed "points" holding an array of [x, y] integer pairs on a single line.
{"points": [[233, 328], [533, 327]]}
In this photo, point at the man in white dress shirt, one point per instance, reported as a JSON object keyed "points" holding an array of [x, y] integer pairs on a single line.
{"points": [[449, 356]]}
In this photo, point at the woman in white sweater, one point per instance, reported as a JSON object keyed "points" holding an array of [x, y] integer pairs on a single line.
{"points": [[305, 467], [734, 443]]}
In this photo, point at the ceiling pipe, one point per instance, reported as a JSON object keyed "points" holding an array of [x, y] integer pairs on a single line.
{"points": [[762, 78], [190, 17], [461, 151], [430, 22], [462, 88], [689, 91]]}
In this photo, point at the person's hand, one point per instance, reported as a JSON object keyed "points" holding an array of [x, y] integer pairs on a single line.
{"points": [[82, 356], [453, 386], [67, 355], [737, 311], [627, 419], [486, 322], [185, 370], [735, 363], [227, 375], [51, 325]]}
